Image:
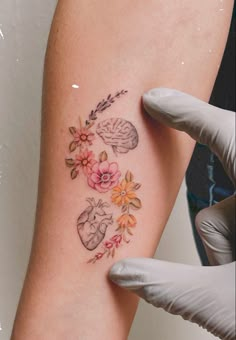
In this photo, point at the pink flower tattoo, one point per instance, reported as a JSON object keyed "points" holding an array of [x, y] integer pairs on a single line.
{"points": [[108, 244], [104, 176], [83, 136], [85, 160], [116, 239]]}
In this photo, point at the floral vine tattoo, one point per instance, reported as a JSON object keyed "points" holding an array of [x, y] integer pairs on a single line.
{"points": [[124, 196], [104, 176]]}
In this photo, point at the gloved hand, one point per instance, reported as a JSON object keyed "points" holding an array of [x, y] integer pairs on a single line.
{"points": [[204, 295]]}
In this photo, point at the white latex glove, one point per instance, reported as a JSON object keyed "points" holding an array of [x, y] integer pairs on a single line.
{"points": [[204, 295]]}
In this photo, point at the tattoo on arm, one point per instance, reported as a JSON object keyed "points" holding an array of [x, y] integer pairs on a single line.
{"points": [[104, 176], [92, 223], [119, 133], [104, 104]]}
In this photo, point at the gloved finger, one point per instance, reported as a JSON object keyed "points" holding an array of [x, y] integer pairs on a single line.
{"points": [[203, 295], [144, 276], [216, 227], [203, 122]]}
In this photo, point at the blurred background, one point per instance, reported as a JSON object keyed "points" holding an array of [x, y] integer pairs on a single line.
{"points": [[24, 28]]}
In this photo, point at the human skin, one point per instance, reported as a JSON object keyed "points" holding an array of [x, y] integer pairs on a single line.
{"points": [[105, 47]]}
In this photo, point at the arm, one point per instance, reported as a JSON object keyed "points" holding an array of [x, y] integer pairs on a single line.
{"points": [[106, 47]]}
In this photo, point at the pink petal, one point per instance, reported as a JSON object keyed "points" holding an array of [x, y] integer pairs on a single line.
{"points": [[104, 167], [89, 171], [92, 162], [116, 176], [83, 131], [105, 185], [95, 178], [113, 167], [113, 184], [91, 183], [100, 189], [90, 155], [90, 137], [95, 167]]}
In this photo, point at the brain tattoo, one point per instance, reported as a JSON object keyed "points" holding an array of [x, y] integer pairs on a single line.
{"points": [[119, 133], [92, 223]]}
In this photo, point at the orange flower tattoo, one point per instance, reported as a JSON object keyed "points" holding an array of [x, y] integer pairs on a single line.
{"points": [[126, 220], [123, 193]]}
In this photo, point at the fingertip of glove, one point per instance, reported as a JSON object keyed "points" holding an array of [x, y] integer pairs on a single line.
{"points": [[160, 92], [115, 271]]}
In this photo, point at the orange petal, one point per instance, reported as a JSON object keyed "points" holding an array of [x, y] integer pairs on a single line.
{"points": [[132, 219], [119, 200], [126, 199], [115, 195], [117, 188], [131, 195]]}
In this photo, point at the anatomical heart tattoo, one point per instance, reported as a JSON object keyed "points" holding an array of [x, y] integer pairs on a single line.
{"points": [[92, 223], [103, 175]]}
